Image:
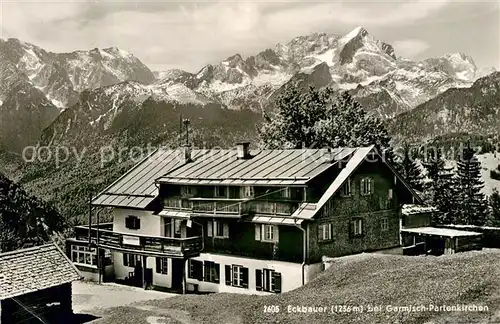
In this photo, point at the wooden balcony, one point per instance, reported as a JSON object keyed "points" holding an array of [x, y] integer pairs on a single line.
{"points": [[273, 208], [204, 206], [228, 207], [141, 244]]}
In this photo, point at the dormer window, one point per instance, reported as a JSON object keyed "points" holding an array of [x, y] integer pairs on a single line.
{"points": [[366, 186]]}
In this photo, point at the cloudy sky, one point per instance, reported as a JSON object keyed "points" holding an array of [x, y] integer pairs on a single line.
{"points": [[187, 35]]}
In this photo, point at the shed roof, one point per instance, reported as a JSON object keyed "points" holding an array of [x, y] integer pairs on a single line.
{"points": [[437, 231], [28, 270], [265, 167], [411, 209]]}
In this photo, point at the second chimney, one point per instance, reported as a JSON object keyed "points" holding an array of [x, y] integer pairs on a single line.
{"points": [[243, 150]]}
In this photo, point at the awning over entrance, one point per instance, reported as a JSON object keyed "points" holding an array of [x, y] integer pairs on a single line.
{"points": [[436, 231], [174, 214], [275, 220]]}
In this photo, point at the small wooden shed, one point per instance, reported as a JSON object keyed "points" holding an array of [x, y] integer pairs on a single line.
{"points": [[35, 285]]}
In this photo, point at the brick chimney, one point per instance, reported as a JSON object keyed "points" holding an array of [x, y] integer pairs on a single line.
{"points": [[243, 150]]}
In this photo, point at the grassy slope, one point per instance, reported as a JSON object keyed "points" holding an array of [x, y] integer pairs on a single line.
{"points": [[465, 278]]}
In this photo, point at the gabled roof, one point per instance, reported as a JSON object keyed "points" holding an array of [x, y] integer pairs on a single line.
{"points": [[264, 167], [28, 270], [309, 210], [136, 188]]}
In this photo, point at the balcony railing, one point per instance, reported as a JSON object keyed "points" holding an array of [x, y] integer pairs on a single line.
{"points": [[272, 208], [206, 206], [230, 206], [167, 246]]}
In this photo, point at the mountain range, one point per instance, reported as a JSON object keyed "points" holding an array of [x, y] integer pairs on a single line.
{"points": [[39, 89], [87, 100]]}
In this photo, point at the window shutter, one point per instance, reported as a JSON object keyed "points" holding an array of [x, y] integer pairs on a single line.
{"points": [[257, 232], [127, 222], [158, 265], [209, 228], [372, 186], [137, 223], [330, 235], [125, 260], [225, 230], [276, 233], [217, 271], [227, 271], [277, 282], [320, 232], [244, 277], [351, 228], [362, 227], [258, 279]]}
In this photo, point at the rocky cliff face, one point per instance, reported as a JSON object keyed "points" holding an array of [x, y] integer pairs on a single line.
{"points": [[471, 110], [386, 85], [35, 85]]}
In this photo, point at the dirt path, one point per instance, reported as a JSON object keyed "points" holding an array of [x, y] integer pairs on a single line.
{"points": [[94, 299]]}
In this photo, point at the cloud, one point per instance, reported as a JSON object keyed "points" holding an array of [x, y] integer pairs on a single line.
{"points": [[187, 34], [410, 48]]}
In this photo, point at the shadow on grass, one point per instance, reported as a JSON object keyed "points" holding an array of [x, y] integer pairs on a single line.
{"points": [[83, 318]]}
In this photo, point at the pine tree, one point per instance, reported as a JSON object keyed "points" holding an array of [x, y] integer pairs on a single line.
{"points": [[440, 190], [472, 203], [319, 118], [409, 168], [494, 202], [25, 220]]}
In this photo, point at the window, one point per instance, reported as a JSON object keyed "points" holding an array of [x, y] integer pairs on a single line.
{"points": [[83, 255], [131, 260], [188, 191], [324, 232], [167, 227], [356, 227], [346, 188], [247, 192], [390, 194], [267, 280], [177, 226], [195, 269], [212, 271], [133, 222], [217, 228], [366, 186], [162, 265], [236, 276], [220, 192], [267, 233], [384, 224], [327, 210], [286, 193]]}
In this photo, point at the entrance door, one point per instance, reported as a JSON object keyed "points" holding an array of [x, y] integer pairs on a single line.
{"points": [[148, 277], [177, 268]]}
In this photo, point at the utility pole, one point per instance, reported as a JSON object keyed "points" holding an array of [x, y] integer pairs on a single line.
{"points": [[186, 123]]}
